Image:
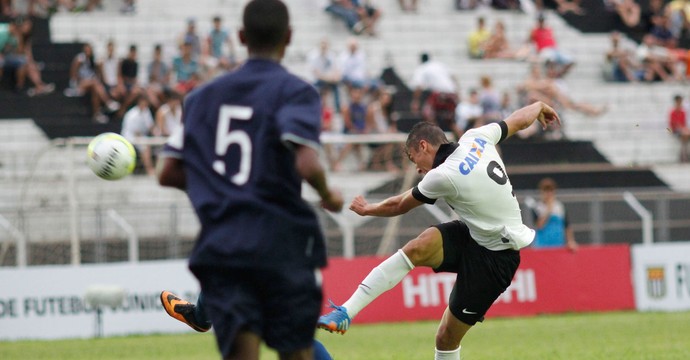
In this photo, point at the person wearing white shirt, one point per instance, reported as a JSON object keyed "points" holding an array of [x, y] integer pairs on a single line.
{"points": [[137, 123], [433, 79], [483, 249], [353, 63], [324, 70]]}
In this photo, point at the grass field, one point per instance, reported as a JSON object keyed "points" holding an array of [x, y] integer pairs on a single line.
{"points": [[623, 335]]}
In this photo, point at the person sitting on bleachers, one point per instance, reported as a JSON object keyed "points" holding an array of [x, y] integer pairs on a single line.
{"points": [[169, 115], [477, 39], [354, 119], [138, 123], [620, 62], [186, 70], [15, 47], [346, 11], [544, 41], [324, 70], [158, 76], [369, 15], [677, 122], [128, 82], [108, 70], [84, 80]]}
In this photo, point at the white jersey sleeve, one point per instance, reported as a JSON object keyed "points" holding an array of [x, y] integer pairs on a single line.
{"points": [[493, 132], [434, 185]]}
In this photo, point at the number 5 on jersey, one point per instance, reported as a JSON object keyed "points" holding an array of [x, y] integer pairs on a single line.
{"points": [[226, 137]]}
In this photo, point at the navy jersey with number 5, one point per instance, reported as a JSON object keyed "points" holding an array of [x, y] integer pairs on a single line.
{"points": [[237, 147]]}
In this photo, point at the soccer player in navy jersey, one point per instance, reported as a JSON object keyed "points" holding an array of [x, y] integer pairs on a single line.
{"points": [[483, 248], [249, 139]]}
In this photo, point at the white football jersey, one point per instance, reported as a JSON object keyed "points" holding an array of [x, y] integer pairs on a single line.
{"points": [[473, 181]]}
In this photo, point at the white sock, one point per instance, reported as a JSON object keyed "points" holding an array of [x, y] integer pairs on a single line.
{"points": [[381, 279], [447, 354]]}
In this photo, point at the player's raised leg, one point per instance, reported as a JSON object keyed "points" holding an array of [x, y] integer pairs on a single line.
{"points": [[425, 250]]}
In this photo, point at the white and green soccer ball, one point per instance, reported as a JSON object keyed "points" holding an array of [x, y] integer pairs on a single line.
{"points": [[111, 156]]}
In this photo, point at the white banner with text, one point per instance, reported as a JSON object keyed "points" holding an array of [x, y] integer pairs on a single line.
{"points": [[47, 302]]}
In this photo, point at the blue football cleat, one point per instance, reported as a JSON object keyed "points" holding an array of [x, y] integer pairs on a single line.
{"points": [[336, 320]]}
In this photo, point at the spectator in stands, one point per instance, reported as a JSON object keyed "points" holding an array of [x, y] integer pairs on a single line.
{"points": [[408, 5], [128, 82], [220, 46], [497, 46], [433, 80], [128, 7], [191, 38], [468, 113], [678, 11], [16, 49], [325, 71], [327, 125], [369, 15], [354, 67], [347, 12], [158, 75], [380, 121], [620, 62], [108, 68], [84, 80], [355, 122], [657, 62], [138, 123], [477, 39], [490, 100], [551, 219], [169, 115], [186, 69], [677, 121], [547, 49]]}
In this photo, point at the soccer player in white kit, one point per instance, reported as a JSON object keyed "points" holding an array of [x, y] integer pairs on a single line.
{"points": [[483, 248]]}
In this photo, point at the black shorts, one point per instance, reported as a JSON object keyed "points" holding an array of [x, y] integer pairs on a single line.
{"points": [[483, 274], [280, 306]]}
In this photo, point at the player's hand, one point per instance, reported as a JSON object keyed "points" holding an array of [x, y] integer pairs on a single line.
{"points": [[359, 205], [333, 202], [548, 116]]}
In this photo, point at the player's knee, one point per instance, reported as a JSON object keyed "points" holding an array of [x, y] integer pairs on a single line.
{"points": [[426, 249]]}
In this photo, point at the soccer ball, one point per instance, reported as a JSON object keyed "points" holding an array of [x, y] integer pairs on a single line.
{"points": [[111, 156]]}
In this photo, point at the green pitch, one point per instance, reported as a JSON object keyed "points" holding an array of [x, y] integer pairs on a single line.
{"points": [[626, 335]]}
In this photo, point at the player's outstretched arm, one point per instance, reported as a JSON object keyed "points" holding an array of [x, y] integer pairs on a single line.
{"points": [[309, 167], [393, 206], [522, 118]]}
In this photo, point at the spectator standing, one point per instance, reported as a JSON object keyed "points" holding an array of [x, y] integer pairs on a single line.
{"points": [[433, 80], [138, 123], [551, 219], [678, 123]]}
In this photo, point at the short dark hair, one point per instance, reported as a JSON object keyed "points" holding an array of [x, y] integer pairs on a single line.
{"points": [[424, 57], [424, 130], [266, 24]]}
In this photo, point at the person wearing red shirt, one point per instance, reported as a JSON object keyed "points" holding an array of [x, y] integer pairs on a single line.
{"points": [[678, 124], [545, 42]]}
